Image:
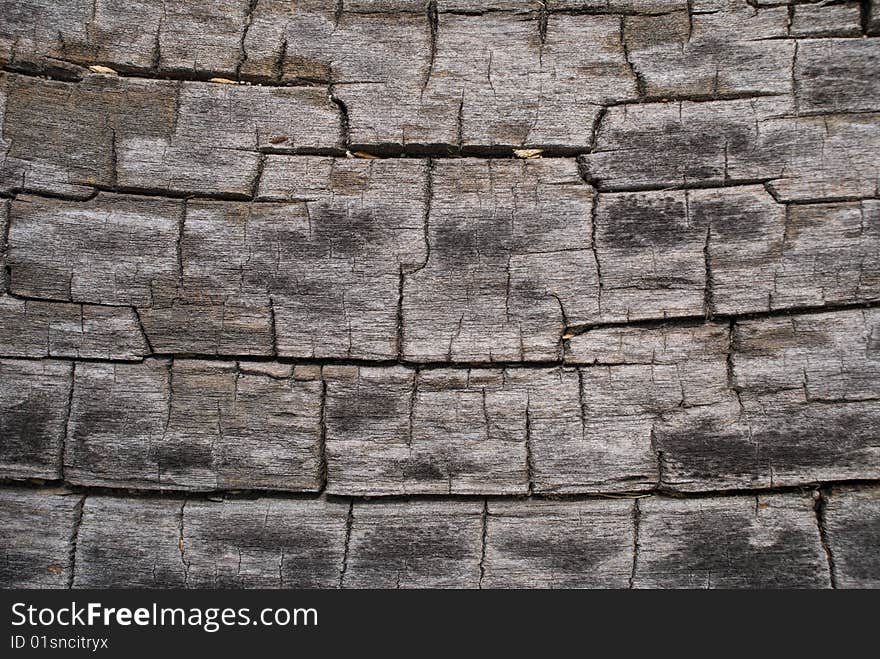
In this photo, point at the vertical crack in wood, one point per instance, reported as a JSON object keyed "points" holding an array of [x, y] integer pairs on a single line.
{"points": [[349, 522], [143, 330], [114, 159], [794, 82], [178, 247], [322, 435], [242, 49], [819, 506], [74, 538], [280, 57], [636, 522], [433, 25], [181, 545], [258, 176], [400, 335], [338, 10], [67, 416], [344, 121], [4, 247], [593, 215], [485, 534], [708, 291], [156, 53], [413, 397], [529, 462], [640, 83]]}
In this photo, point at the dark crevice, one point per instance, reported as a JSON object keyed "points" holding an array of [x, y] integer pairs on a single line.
{"points": [[322, 436], [349, 523], [529, 461], [483, 542], [636, 522], [242, 49], [433, 24], [821, 502], [344, 122], [679, 321], [74, 538], [62, 458], [51, 487]]}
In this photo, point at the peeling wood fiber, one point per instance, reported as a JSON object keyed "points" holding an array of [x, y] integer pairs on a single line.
{"points": [[503, 294]]}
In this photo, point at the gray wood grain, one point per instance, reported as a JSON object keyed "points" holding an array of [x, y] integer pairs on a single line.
{"points": [[731, 542], [187, 137], [130, 543], [558, 544], [509, 264], [852, 519], [398, 431], [716, 49], [36, 537], [194, 425], [34, 399], [415, 544], [32, 328], [108, 250], [720, 142], [824, 64], [262, 543], [824, 20]]}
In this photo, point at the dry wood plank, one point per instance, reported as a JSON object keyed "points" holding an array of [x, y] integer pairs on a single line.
{"points": [[841, 19], [837, 75], [711, 49], [316, 274], [30, 328], [509, 264], [558, 544], [107, 250], [515, 89], [33, 415], [724, 142], [130, 543], [195, 425], [731, 251], [620, 6], [852, 520], [37, 531], [415, 544], [264, 543], [444, 431], [189, 137], [60, 138], [212, 147], [730, 542], [805, 409]]}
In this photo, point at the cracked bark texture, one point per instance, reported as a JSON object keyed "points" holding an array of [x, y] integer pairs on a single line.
{"points": [[386, 293]]}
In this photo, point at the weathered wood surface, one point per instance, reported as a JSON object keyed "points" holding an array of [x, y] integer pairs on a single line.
{"points": [[52, 538], [756, 403], [525, 269], [852, 520]]}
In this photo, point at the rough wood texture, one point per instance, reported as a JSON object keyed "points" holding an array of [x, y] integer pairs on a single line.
{"points": [[566, 283], [196, 425], [741, 542], [509, 264], [34, 399], [53, 539], [415, 544], [558, 544], [266, 543], [37, 535], [852, 520]]}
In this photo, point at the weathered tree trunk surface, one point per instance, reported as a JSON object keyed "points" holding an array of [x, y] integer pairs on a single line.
{"points": [[395, 293]]}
